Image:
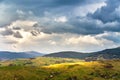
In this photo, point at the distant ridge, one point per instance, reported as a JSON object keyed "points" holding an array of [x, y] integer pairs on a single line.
{"points": [[113, 53], [68, 54], [6, 55]]}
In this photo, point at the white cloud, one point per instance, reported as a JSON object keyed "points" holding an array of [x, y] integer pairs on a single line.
{"points": [[83, 39], [60, 42], [54, 42], [24, 24], [61, 19]]}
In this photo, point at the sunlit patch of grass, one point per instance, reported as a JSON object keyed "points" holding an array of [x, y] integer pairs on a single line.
{"points": [[39, 61], [86, 64]]}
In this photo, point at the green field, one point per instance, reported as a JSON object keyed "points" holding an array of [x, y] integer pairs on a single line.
{"points": [[43, 68]]}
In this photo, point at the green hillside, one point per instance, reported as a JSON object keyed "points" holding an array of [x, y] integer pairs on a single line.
{"points": [[39, 61], [59, 69]]}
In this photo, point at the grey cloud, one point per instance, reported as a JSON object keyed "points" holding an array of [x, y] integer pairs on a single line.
{"points": [[82, 26], [7, 14], [18, 35], [35, 32], [108, 13], [39, 6], [112, 26], [6, 32], [16, 28], [111, 36], [48, 3], [85, 26]]}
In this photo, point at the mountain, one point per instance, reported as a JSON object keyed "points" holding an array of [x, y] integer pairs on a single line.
{"points": [[113, 53], [6, 55], [104, 54], [69, 54]]}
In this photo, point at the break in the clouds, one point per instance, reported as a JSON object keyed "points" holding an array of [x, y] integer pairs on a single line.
{"points": [[58, 25]]}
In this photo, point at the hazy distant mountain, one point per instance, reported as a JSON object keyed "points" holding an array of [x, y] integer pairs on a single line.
{"points": [[105, 54], [6, 55]]}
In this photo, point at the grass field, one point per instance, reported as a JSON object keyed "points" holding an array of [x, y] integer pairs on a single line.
{"points": [[59, 69]]}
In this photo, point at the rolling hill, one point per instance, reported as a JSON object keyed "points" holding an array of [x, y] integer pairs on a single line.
{"points": [[69, 54], [6, 55], [43, 68], [104, 54]]}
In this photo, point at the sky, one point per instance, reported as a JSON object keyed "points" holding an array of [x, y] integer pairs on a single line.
{"points": [[59, 25]]}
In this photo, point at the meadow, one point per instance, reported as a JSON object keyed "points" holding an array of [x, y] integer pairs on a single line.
{"points": [[46, 68]]}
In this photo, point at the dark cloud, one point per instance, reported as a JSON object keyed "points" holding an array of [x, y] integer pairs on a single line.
{"points": [[109, 12], [35, 32], [39, 6], [6, 32], [48, 13], [84, 26], [10, 32], [18, 35], [16, 28], [70, 2], [111, 36], [48, 3], [88, 25], [112, 27]]}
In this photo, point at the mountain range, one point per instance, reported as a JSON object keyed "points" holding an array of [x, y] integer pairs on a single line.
{"points": [[113, 53], [6, 55]]}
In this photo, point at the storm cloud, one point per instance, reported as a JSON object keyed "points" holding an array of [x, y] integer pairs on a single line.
{"points": [[108, 13], [103, 19], [48, 22]]}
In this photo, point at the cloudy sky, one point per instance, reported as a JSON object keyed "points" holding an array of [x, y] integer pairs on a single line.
{"points": [[59, 25]]}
